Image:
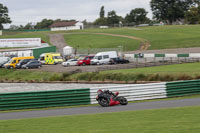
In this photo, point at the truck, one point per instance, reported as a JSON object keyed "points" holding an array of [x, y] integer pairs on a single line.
{"points": [[12, 63], [51, 58], [103, 57]]}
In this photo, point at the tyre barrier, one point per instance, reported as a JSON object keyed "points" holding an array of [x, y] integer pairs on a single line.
{"points": [[44, 99]]}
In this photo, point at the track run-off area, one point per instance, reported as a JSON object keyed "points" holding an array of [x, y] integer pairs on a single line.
{"points": [[96, 109]]}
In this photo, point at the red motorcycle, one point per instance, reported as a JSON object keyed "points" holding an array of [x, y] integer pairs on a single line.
{"points": [[107, 98]]}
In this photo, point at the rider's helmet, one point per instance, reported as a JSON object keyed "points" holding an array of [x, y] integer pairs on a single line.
{"points": [[99, 91], [117, 93]]}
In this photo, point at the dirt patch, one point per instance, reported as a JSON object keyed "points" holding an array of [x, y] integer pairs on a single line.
{"points": [[58, 41]]}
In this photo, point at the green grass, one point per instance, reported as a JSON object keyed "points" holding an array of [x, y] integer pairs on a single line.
{"points": [[188, 68], [175, 120], [26, 75], [100, 41], [160, 37]]}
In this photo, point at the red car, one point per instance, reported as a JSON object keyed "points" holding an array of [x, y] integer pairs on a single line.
{"points": [[85, 61]]}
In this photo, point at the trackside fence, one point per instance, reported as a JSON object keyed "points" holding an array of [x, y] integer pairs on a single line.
{"points": [[11, 101], [134, 92], [43, 99]]}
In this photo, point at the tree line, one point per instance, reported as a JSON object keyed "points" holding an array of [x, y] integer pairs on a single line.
{"points": [[167, 11]]}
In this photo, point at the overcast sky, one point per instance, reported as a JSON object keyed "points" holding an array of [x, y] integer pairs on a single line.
{"points": [[25, 11]]}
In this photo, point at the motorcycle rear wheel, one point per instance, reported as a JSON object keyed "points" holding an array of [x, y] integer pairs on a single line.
{"points": [[122, 100], [103, 102]]}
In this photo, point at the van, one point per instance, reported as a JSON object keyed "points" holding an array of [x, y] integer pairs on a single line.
{"points": [[51, 58], [12, 63], [4, 59], [103, 57]]}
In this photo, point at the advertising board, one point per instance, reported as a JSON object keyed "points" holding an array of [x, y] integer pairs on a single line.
{"points": [[20, 42]]}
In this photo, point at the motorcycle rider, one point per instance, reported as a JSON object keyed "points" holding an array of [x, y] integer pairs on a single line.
{"points": [[114, 95]]}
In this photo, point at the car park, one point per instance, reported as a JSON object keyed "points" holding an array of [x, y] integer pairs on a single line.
{"points": [[32, 64], [85, 61], [70, 62], [118, 61]]}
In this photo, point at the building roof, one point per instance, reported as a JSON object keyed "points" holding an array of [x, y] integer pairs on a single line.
{"points": [[63, 24]]}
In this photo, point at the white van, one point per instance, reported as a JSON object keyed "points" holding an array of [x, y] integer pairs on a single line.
{"points": [[103, 57], [4, 59]]}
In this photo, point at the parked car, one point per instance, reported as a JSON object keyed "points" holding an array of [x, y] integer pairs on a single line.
{"points": [[118, 61], [32, 64], [103, 57], [23, 62], [2, 63], [70, 62], [85, 61]]}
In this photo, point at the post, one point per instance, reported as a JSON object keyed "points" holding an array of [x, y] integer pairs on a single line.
{"points": [[1, 32], [145, 62], [171, 59], [136, 61]]}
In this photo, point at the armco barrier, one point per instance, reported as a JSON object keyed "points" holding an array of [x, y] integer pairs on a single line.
{"points": [[25, 100], [134, 92], [182, 88]]}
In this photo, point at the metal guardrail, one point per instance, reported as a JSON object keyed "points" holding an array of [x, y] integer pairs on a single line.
{"points": [[134, 92], [43, 99], [183, 88], [25, 100]]}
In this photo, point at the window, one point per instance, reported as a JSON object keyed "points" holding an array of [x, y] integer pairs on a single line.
{"points": [[99, 57], [42, 58], [14, 61], [106, 56], [91, 57], [86, 58]]}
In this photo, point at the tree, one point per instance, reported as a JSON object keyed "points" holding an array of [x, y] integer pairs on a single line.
{"points": [[4, 18], [102, 12], [113, 18], [29, 26], [193, 15], [101, 21], [45, 23], [170, 10], [137, 16], [14, 27]]}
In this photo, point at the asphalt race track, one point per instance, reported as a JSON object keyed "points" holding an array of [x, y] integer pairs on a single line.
{"points": [[98, 109]]}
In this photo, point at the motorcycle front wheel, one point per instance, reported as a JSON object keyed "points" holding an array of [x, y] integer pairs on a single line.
{"points": [[122, 100], [103, 102]]}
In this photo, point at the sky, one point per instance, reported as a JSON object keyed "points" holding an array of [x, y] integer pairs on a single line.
{"points": [[22, 12]]}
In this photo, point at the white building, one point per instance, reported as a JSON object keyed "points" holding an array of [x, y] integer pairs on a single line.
{"points": [[74, 25]]}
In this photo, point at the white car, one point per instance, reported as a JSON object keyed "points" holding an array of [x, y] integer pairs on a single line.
{"points": [[70, 62]]}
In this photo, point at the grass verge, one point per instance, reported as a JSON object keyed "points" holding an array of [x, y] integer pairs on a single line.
{"points": [[176, 72], [177, 120]]}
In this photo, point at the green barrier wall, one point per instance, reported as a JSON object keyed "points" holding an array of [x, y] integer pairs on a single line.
{"points": [[182, 88], [43, 99]]}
